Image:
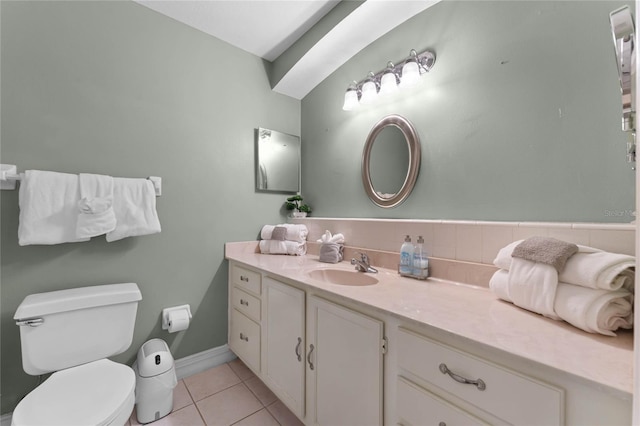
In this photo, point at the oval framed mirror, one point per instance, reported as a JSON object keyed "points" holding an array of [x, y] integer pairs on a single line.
{"points": [[390, 161]]}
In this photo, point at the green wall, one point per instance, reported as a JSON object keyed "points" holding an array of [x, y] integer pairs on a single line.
{"points": [[519, 119], [117, 89]]}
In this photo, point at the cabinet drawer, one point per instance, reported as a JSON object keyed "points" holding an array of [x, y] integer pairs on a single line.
{"points": [[510, 396], [245, 303], [244, 339], [417, 406], [246, 279]]}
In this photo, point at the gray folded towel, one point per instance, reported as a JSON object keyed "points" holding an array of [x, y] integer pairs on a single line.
{"points": [[545, 250], [331, 252]]}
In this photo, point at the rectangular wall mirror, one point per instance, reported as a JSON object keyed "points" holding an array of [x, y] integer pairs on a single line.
{"points": [[277, 161]]}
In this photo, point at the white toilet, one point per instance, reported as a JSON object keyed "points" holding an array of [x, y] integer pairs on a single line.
{"points": [[72, 332]]}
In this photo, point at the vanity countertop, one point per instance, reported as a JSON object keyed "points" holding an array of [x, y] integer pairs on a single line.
{"points": [[471, 312]]}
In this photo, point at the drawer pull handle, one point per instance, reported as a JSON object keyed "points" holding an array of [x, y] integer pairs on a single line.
{"points": [[244, 302], [243, 278], [244, 337], [311, 348], [298, 354], [478, 383]]}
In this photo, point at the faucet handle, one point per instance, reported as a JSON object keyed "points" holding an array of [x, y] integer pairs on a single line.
{"points": [[364, 257]]}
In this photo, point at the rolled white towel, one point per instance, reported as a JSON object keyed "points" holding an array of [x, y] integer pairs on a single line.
{"points": [[592, 310], [282, 247], [595, 310], [589, 267], [295, 232], [266, 231]]}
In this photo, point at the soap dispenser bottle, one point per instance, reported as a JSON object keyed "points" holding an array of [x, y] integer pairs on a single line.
{"points": [[406, 256], [420, 260]]}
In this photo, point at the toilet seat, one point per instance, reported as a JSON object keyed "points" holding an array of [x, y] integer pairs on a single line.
{"points": [[96, 393]]}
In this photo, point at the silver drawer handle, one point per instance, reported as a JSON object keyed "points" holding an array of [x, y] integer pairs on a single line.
{"points": [[298, 354], [311, 348], [31, 322], [243, 278], [244, 302], [477, 383], [244, 337]]}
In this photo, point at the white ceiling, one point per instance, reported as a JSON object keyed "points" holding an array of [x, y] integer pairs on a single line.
{"points": [[266, 28]]}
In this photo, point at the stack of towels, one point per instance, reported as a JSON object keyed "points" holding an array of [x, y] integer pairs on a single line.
{"points": [[586, 287], [60, 208], [284, 239]]}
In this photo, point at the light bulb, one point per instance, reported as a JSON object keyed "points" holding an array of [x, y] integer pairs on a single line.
{"points": [[410, 74], [388, 83], [369, 92], [350, 100]]}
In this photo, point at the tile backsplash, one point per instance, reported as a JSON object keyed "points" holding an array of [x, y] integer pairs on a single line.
{"points": [[469, 241]]}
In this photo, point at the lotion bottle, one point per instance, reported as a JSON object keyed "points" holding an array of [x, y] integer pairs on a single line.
{"points": [[420, 260], [406, 256]]}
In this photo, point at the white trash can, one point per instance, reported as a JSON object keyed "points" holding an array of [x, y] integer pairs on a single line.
{"points": [[155, 380]]}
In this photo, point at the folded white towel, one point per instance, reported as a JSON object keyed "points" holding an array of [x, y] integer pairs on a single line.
{"points": [[48, 208], [589, 267], [134, 204], [533, 286], [295, 232], [592, 310], [96, 215], [283, 247]]}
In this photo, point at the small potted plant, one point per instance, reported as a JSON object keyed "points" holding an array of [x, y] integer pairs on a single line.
{"points": [[299, 209]]}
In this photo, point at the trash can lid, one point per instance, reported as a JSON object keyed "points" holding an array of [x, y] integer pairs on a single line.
{"points": [[154, 358]]}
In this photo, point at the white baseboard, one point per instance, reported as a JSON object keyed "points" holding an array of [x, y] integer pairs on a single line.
{"points": [[204, 360], [185, 367]]}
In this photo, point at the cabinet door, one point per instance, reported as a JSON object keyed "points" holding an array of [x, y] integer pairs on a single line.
{"points": [[284, 344], [344, 357]]}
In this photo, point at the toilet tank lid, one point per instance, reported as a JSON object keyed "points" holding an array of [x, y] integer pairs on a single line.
{"points": [[52, 302]]}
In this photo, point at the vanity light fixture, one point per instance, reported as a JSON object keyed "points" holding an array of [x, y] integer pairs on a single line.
{"points": [[404, 74]]}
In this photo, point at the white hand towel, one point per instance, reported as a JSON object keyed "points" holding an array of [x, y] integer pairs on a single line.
{"points": [[592, 310], [337, 239], [282, 247], [134, 204], [96, 215], [589, 267], [532, 286], [48, 208]]}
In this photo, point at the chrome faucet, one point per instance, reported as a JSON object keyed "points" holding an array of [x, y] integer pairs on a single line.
{"points": [[363, 264]]}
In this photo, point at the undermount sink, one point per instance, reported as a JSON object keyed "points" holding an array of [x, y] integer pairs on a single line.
{"points": [[342, 277]]}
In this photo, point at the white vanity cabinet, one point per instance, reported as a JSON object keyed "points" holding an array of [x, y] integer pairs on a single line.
{"points": [[322, 359], [335, 356]]}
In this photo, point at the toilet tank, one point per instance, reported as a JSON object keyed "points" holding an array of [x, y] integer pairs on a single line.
{"points": [[62, 329]]}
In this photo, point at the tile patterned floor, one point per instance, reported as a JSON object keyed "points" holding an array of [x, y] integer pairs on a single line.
{"points": [[229, 394]]}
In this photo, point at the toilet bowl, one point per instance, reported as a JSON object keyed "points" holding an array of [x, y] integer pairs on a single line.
{"points": [[71, 333], [99, 393]]}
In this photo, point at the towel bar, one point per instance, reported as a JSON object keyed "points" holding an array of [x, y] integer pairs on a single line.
{"points": [[9, 177]]}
